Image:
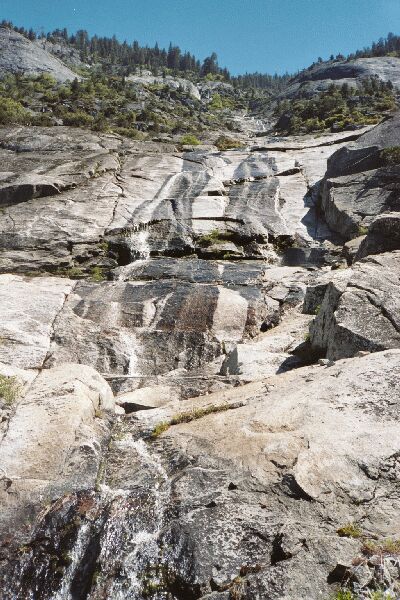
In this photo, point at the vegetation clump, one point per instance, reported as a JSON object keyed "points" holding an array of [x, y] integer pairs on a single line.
{"points": [[97, 274], [224, 143], [190, 140], [187, 417], [9, 389], [70, 272], [350, 530], [159, 429], [391, 156], [339, 108], [12, 112], [381, 547], [215, 237], [344, 595], [198, 413]]}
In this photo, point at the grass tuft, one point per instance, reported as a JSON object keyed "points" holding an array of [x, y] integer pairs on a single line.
{"points": [[193, 415], [351, 530], [389, 547], [391, 156], [159, 429], [187, 417], [362, 230], [9, 389]]}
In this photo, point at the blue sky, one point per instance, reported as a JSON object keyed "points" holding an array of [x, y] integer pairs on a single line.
{"points": [[248, 35]]}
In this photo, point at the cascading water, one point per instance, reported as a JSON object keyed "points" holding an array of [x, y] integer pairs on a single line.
{"points": [[104, 543], [129, 543], [139, 242]]}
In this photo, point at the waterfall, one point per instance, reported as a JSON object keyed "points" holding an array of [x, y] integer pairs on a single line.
{"points": [[132, 347], [76, 555], [134, 527], [114, 551], [139, 242]]}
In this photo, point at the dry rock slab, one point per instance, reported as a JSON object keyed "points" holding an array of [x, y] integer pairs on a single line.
{"points": [[54, 439]]}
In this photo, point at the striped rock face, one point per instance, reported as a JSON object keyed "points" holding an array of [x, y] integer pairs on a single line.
{"points": [[160, 261]]}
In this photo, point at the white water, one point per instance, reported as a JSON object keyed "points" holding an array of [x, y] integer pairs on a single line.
{"points": [[142, 547], [76, 555], [253, 125], [132, 347], [133, 524], [139, 242]]}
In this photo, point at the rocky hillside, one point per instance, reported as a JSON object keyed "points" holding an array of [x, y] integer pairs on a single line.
{"points": [[199, 346], [200, 361], [320, 76]]}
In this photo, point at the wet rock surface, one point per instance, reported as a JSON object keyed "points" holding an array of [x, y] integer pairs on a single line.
{"points": [[165, 437]]}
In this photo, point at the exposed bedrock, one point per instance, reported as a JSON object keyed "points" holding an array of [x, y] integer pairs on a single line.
{"points": [[320, 77], [20, 55], [363, 180], [242, 503], [360, 311], [53, 443], [160, 434], [149, 201], [383, 236]]}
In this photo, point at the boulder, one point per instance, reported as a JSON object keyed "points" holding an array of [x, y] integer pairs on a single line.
{"points": [[383, 236], [146, 398], [351, 202], [316, 289], [54, 440], [365, 153], [351, 248], [361, 181], [360, 312]]}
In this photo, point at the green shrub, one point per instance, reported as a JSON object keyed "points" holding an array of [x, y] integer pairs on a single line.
{"points": [[381, 595], [225, 143], [214, 237], [97, 274], [134, 134], [78, 119], [216, 102], [190, 140], [391, 156], [12, 112], [70, 272], [350, 530], [344, 595], [9, 389]]}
